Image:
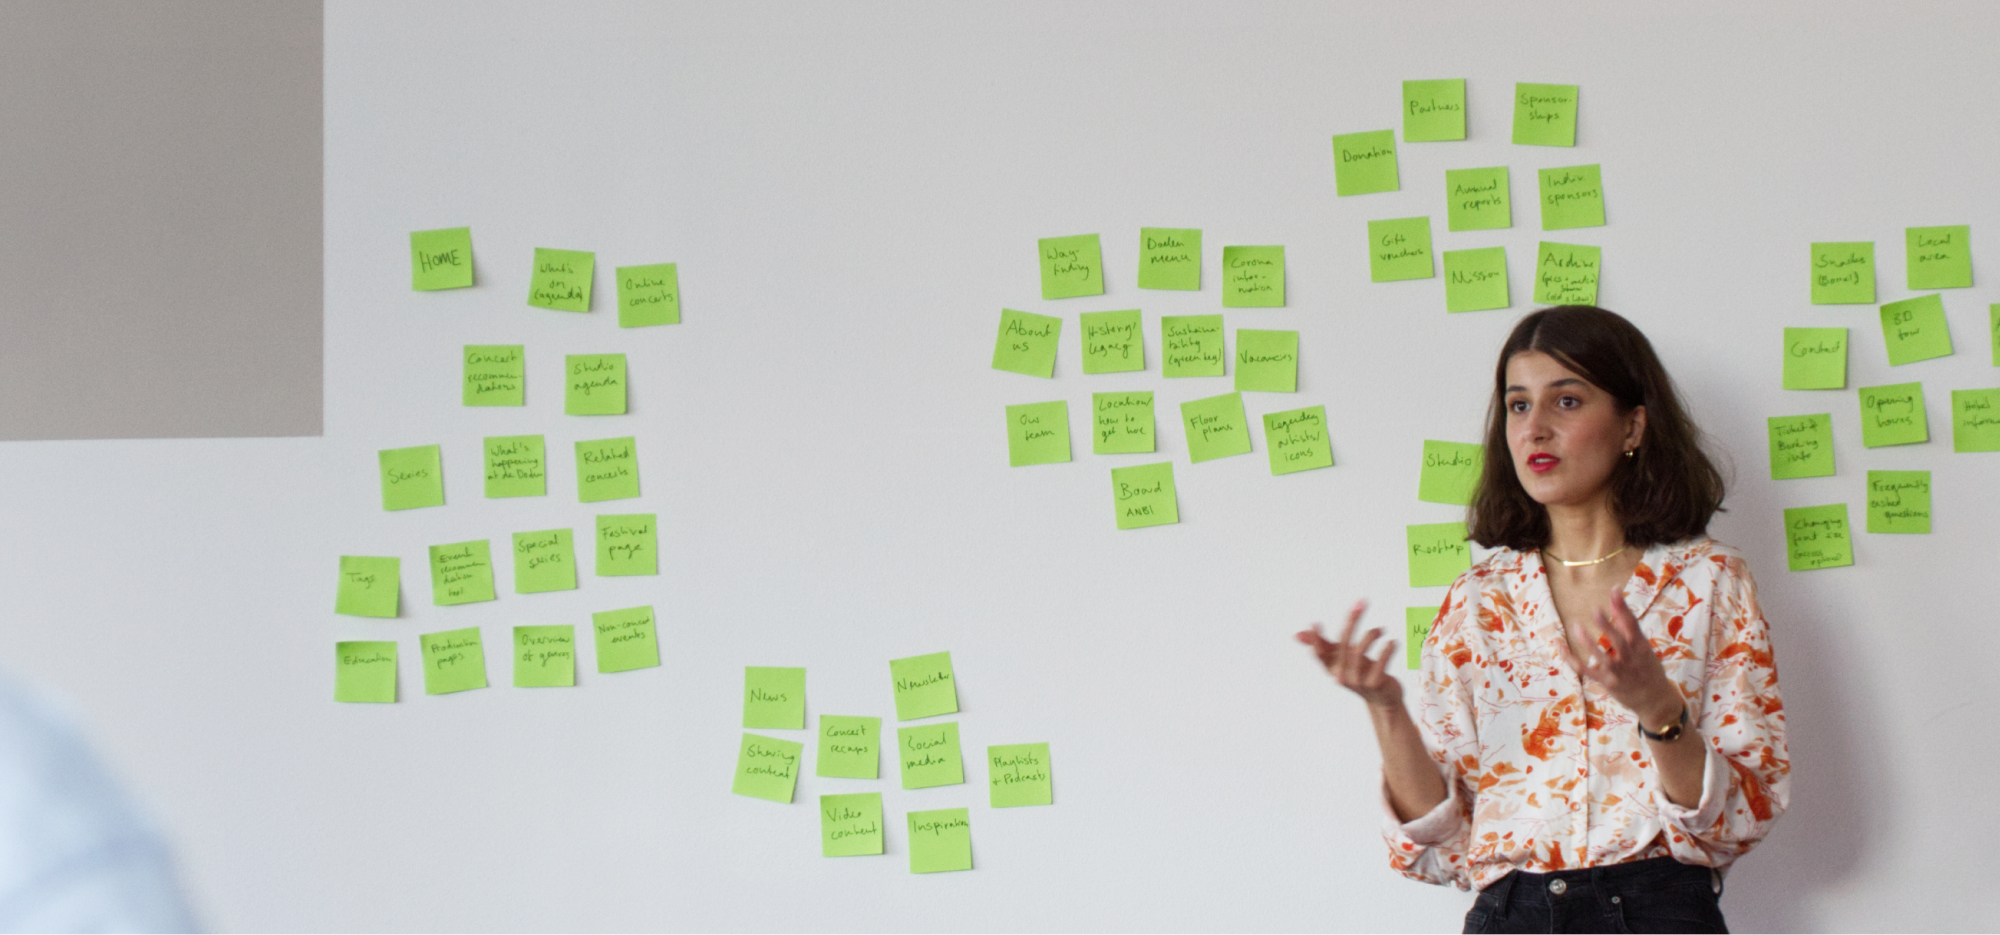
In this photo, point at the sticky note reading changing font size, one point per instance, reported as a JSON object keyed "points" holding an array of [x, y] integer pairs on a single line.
{"points": [[441, 259], [1438, 553], [1296, 440], [1143, 495], [627, 639], [365, 671], [1817, 537]]}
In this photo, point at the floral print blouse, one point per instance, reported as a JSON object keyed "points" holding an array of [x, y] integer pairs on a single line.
{"points": [[1546, 772]]}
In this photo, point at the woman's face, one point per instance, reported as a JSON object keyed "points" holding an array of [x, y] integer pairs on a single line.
{"points": [[1566, 435]]}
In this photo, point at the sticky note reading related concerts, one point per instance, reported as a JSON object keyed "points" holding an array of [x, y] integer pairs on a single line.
{"points": [[561, 279], [1566, 274], [774, 697], [1038, 433], [515, 466], [1475, 280], [1416, 626], [1144, 495], [495, 375], [849, 747], [1438, 553], [1170, 258], [1112, 342], [1893, 415], [1027, 343], [1815, 358], [627, 639], [544, 560], [649, 295], [930, 756], [1364, 163], [1572, 196], [1817, 537], [1939, 257], [1433, 110], [1975, 420], [850, 825], [1477, 199], [1296, 440], [594, 384], [1253, 277], [1545, 114], [767, 768], [544, 656], [365, 670], [627, 544], [1071, 267], [1899, 501], [940, 840], [1450, 472], [607, 469], [1801, 446], [1018, 774], [1267, 361], [1400, 249], [461, 573], [1215, 427], [924, 686], [454, 661], [1191, 346], [369, 585], [1843, 273], [441, 259], [1121, 423], [1914, 329], [411, 477]]}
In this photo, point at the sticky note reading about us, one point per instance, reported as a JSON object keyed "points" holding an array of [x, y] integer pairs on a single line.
{"points": [[1433, 110], [1801, 446], [1267, 361], [1476, 280], [1899, 501], [774, 697], [1400, 249], [544, 656], [607, 469], [1112, 342], [924, 686], [461, 573], [1215, 427], [1939, 257], [940, 840], [1450, 472], [1038, 433], [1416, 627], [411, 477], [1843, 273], [365, 671], [1914, 330], [649, 295], [767, 768], [454, 661], [561, 279], [1438, 553], [627, 544], [1253, 277], [1170, 258], [1817, 537], [1975, 420], [369, 585], [1143, 495], [1566, 274], [495, 375], [849, 747], [1815, 358], [627, 639], [1191, 346], [930, 755], [594, 385], [850, 825], [1296, 440], [544, 560], [441, 259], [1477, 199], [1545, 114], [1027, 343], [1365, 163], [516, 466], [1071, 266], [1018, 774], [1572, 196], [1122, 423], [1893, 415]]}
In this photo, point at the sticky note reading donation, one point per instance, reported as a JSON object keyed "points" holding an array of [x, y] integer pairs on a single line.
{"points": [[1545, 114], [627, 639], [1071, 266], [411, 477], [495, 375], [364, 671], [940, 840], [1450, 472], [1815, 358], [1027, 343], [561, 279], [1433, 110], [516, 466], [1364, 163], [1253, 277], [767, 768], [1037, 433], [1416, 626], [1939, 257], [1914, 330], [1899, 501], [454, 661], [1893, 415], [544, 656], [1192, 345], [607, 469], [774, 697], [1112, 342], [1843, 273], [850, 825], [649, 295], [1801, 446], [848, 747], [627, 544], [924, 686], [461, 573], [1572, 196], [1122, 423], [1400, 249], [1170, 258], [1267, 361], [1817, 537], [930, 755], [544, 561], [1975, 420], [1018, 774], [595, 385], [1143, 495], [1477, 199], [369, 585], [1438, 553], [1215, 427], [1296, 440], [1476, 280], [1566, 274], [441, 259]]}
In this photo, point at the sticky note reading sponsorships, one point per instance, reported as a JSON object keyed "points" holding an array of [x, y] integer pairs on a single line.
{"points": [[1975, 420], [544, 560], [1545, 114], [1037, 433], [461, 573], [1416, 626], [850, 825], [516, 466], [1815, 358], [1843, 273], [1296, 440], [1253, 277], [1191, 346], [411, 477], [1939, 257], [1476, 280], [924, 686], [1572, 196], [649, 295], [1801, 446], [1122, 423], [1027, 343], [544, 656], [849, 747], [1267, 361], [940, 840], [1365, 163], [495, 375], [595, 385], [1112, 342], [607, 469], [1433, 110], [767, 768], [1893, 415], [1071, 266], [365, 671], [1477, 199], [454, 661], [930, 756], [1450, 472], [1170, 258], [1215, 427], [1143, 495], [1914, 330], [1018, 774], [1400, 249], [1899, 501], [1566, 274], [1438, 553], [369, 585], [774, 697], [1817, 537], [441, 259], [627, 639], [561, 279], [628, 544]]}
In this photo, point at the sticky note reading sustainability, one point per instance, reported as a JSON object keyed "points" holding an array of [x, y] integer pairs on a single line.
{"points": [[544, 560], [649, 295], [1296, 440], [1899, 501], [1192, 346], [627, 544], [1450, 472], [767, 768], [1253, 277], [369, 585], [1122, 423], [1815, 358], [1143, 495], [1170, 258], [461, 573], [774, 697], [607, 469], [1071, 266], [594, 385], [1817, 537], [1843, 273], [930, 756], [1433, 110], [1476, 280], [365, 670], [1267, 361], [441, 259], [1027, 343], [1215, 427], [1566, 274], [1400, 249], [1975, 420], [1364, 163], [454, 661], [850, 825], [1438, 553], [848, 747], [924, 686], [1939, 257], [1572, 196], [940, 840], [1893, 415], [1545, 114], [1018, 774], [516, 466], [627, 639], [1477, 199], [1112, 342], [411, 477], [1801, 446], [495, 375], [1914, 329], [1416, 626], [562, 279], [544, 656], [1038, 433]]}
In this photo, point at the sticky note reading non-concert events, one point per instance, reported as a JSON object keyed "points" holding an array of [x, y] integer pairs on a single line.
{"points": [[1572, 196], [1476, 280], [1914, 329], [1545, 114], [1975, 420], [1191, 346], [461, 573], [649, 295], [544, 656], [1817, 537], [1364, 163], [516, 466], [1893, 415], [1071, 266], [411, 477], [1400, 249], [1815, 358], [924, 686], [544, 560], [1450, 472], [561, 279], [1843, 273], [1018, 774], [369, 585], [1566, 274], [1215, 427], [1801, 446], [929, 755], [1433, 110], [1296, 440], [627, 544], [1899, 501], [1122, 423], [627, 639], [940, 840], [1438, 553], [1170, 258], [1267, 361], [1477, 199], [1253, 277], [1027, 343], [1939, 257], [364, 670], [1038, 433], [774, 697], [607, 469], [594, 384], [454, 661], [850, 825], [1416, 626], [767, 768], [1112, 342], [441, 259], [849, 747], [1143, 495], [495, 375]]}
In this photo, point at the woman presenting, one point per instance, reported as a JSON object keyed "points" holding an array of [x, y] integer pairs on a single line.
{"points": [[1598, 731]]}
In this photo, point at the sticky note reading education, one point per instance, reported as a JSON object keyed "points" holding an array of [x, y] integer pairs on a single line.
{"points": [[516, 466], [627, 544], [1545, 114], [461, 573], [1477, 199], [1476, 280], [1817, 537], [1112, 342], [411, 477], [1416, 626], [1939, 257], [365, 671], [1843, 273], [369, 585], [1893, 415], [774, 697], [544, 656], [1296, 440], [1038, 433], [1914, 330], [1215, 427], [767, 768], [1027, 343], [850, 825], [1018, 774], [441, 259], [1170, 258], [1433, 110], [1400, 249], [1122, 423], [940, 840], [1253, 277], [924, 686], [1801, 446], [1566, 274], [607, 469], [1438, 553], [627, 639], [544, 560], [1572, 196], [848, 747], [454, 661], [495, 375], [1267, 361], [930, 756], [1450, 472], [1975, 420], [594, 385], [561, 279], [1365, 163], [1899, 501], [1815, 358], [1192, 346], [649, 295], [1071, 266], [1143, 495]]}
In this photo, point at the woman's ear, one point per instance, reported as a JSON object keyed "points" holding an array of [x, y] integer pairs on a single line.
{"points": [[1635, 427]]}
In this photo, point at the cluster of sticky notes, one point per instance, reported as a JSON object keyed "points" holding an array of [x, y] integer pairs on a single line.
{"points": [[544, 656], [513, 466], [648, 294], [462, 572]]}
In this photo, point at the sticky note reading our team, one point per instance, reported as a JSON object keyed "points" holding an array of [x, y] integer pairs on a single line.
{"points": [[627, 639], [411, 477], [627, 544], [1038, 433], [369, 585], [607, 469], [1914, 330], [1801, 446], [441, 259], [1975, 420], [1122, 423], [1400, 249], [1071, 266], [495, 375], [516, 466], [1416, 626], [1843, 273], [461, 573], [1939, 257], [1191, 346], [1438, 553], [850, 825], [1450, 472], [365, 671], [1545, 114], [1364, 163], [1253, 277], [1893, 415], [1899, 501], [649, 295], [1296, 440], [454, 661], [930, 756], [544, 656], [1566, 274], [767, 768], [774, 697], [1477, 199], [1112, 342], [1143, 495], [1572, 196], [940, 840], [848, 747], [544, 560], [1267, 361], [1170, 258], [1018, 774], [561, 279], [1027, 343], [1476, 280], [1815, 358], [1818, 537], [595, 385], [1433, 110], [924, 686]]}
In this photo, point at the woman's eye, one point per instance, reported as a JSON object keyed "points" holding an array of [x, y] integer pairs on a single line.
{"points": [[1517, 406], [1570, 402]]}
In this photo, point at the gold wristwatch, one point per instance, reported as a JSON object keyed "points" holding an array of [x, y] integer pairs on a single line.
{"points": [[1669, 733]]}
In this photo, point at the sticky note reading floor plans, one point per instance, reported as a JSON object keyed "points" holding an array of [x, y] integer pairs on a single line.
{"points": [[364, 671], [627, 544], [1438, 553], [1815, 358], [767, 768], [441, 259], [649, 295], [544, 656], [930, 756], [924, 686], [1112, 342], [1914, 330], [1899, 501], [1296, 440], [940, 840], [607, 469], [1566, 274], [1450, 472], [369, 585], [1192, 346], [1476, 280], [1572, 196], [627, 639], [849, 747], [1027, 343], [1267, 361], [1018, 774], [1215, 427], [561, 279], [516, 466], [1893, 415], [1170, 258], [1975, 420], [1122, 423], [1400, 249], [1253, 277], [454, 661], [1071, 266], [1477, 199], [850, 825], [1143, 495], [1801, 446], [595, 384], [774, 697], [1433, 110], [1843, 273], [461, 573], [1939, 257], [544, 560], [1364, 163], [1037, 433], [1818, 537], [495, 375], [1545, 114], [411, 477], [1416, 627]]}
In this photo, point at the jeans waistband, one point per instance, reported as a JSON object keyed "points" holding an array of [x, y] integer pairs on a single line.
{"points": [[1655, 871]]}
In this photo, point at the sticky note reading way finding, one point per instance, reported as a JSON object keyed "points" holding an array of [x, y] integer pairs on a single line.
{"points": [[767, 768], [1477, 199], [930, 756], [1071, 266], [365, 670], [1416, 626], [1038, 433], [1267, 361], [1566, 274], [1438, 553], [1112, 342], [1450, 472], [369, 585], [649, 295], [544, 656], [495, 375], [1843, 273], [1572, 196], [1815, 358], [1476, 280], [1914, 330], [1545, 114], [1939, 257], [607, 469], [1893, 415], [1801, 446], [1192, 346], [774, 697], [1027, 343], [924, 686], [627, 544], [940, 840], [627, 639], [1143, 495], [1433, 110], [1121, 423], [1018, 774], [544, 560], [1899, 501], [1215, 427], [454, 661], [1975, 420], [441, 259], [411, 477], [1253, 277], [461, 573], [848, 747], [516, 466], [1296, 440], [1817, 537], [594, 385], [850, 825], [1365, 163], [561, 279], [1400, 249], [1170, 258]]}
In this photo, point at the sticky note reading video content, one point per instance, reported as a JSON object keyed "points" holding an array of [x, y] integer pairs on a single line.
{"points": [[1433, 110], [1450, 472], [365, 671], [627, 639], [924, 686], [1939, 257], [1815, 358], [774, 697], [1071, 266], [1477, 199], [461, 573], [1416, 627], [607, 469], [649, 295], [1296, 440], [516, 466], [544, 656], [1818, 537], [1843, 273], [767, 768], [454, 661], [544, 560], [850, 825], [495, 375], [1801, 446], [1027, 343], [1572, 196], [1400, 249], [1018, 774], [441, 259], [1899, 501], [1267, 361], [1893, 415], [369, 585], [1112, 342], [1914, 330], [1191, 346], [1215, 427], [411, 477], [561, 279], [1476, 280], [1545, 114], [627, 544], [594, 385], [940, 840], [1122, 423], [1438, 553], [1365, 163], [1038, 433], [1143, 495], [1975, 420], [1253, 277], [930, 756], [1170, 258], [849, 747], [1566, 274]]}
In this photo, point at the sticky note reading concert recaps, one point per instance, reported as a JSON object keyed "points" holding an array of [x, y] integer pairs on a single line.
{"points": [[1433, 110], [454, 661], [369, 585], [1815, 358], [411, 477], [767, 768], [1899, 501], [1476, 280], [1438, 553], [849, 747], [544, 656], [1416, 626], [544, 560], [1801, 446], [1296, 440], [1450, 472], [1893, 415], [516, 466], [940, 840], [1477, 199], [1975, 420], [1170, 258], [1018, 774], [1143, 495], [774, 697], [594, 385], [1364, 163], [627, 544], [1215, 427], [1071, 266], [1038, 433], [1572, 196], [1545, 114], [1566, 274], [1253, 277], [1843, 273], [649, 295], [1112, 342], [924, 686], [441, 259], [495, 375], [1817, 537], [607, 469], [1027, 343], [1122, 423], [561, 279], [850, 825], [1939, 257], [1914, 330], [627, 639], [1400, 249], [1191, 346], [461, 573], [365, 671], [930, 756], [1267, 361]]}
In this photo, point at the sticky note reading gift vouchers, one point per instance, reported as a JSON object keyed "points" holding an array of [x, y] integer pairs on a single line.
{"points": [[850, 825], [594, 385], [1364, 163], [1400, 249], [1296, 440], [516, 466], [561, 279], [1843, 273], [454, 661], [1801, 446], [1253, 277], [1975, 420], [1899, 501], [1893, 415], [627, 639], [1143, 495], [1267, 361], [1914, 330], [544, 561], [1192, 346], [411, 477], [1215, 427], [1071, 266], [1121, 423], [369, 585], [1566, 274], [544, 656], [774, 697], [1476, 280], [495, 375], [1112, 342], [1815, 358], [441, 259], [930, 755], [924, 686], [627, 544], [607, 469], [1433, 110], [1037, 433], [1572, 196], [461, 573], [364, 671], [1545, 114], [940, 840], [848, 747], [1018, 774], [1477, 199], [1438, 553], [767, 768], [649, 295], [1170, 258], [1939, 257], [1817, 537], [1416, 627], [1450, 472], [1027, 343]]}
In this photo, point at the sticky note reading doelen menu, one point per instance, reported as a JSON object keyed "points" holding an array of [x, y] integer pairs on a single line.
{"points": [[1438, 553], [1170, 258]]}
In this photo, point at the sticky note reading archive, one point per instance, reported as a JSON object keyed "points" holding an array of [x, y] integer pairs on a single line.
{"points": [[544, 656], [1476, 280], [649, 295], [1121, 423], [1975, 420], [1037, 433], [767, 768], [364, 671], [1400, 249], [1545, 114], [1071, 266], [924, 686], [850, 825], [627, 544], [441, 259], [1144, 495], [1899, 501], [1939, 257], [1817, 537], [930, 755], [595, 385], [848, 747], [627, 639], [1914, 330], [495, 375], [1801, 446], [1438, 553], [1296, 440], [1364, 163], [1027, 343], [1893, 415], [1815, 358], [1566, 274], [1843, 273], [940, 840], [454, 661], [774, 697], [562, 279], [1477, 199], [461, 573], [411, 477], [1253, 277], [1112, 342], [1018, 774], [1433, 110], [516, 466], [1192, 345], [1416, 626], [607, 469], [1450, 472], [1215, 427], [369, 585], [1170, 258], [544, 560]]}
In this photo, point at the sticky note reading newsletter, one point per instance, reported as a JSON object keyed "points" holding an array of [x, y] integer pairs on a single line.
{"points": [[1215, 427], [1438, 552], [1545, 114], [1572, 196], [1416, 626], [1939, 257], [441, 259], [1801, 446], [1899, 501], [1893, 415], [848, 747], [516, 466], [1112, 342], [1914, 330], [1477, 199], [1400, 249], [1071, 266], [1027, 343], [1365, 163], [1815, 358], [1253, 277], [1450, 472], [774, 697], [1018, 774], [940, 840], [1267, 361], [850, 825], [767, 768], [1170, 258], [1296, 440], [1843, 273], [1038, 433], [561, 279], [1817, 537], [1566, 274], [1476, 280], [649, 295], [1192, 346], [544, 656], [924, 686], [454, 661], [1122, 423], [627, 544], [627, 639], [594, 385], [1433, 110], [495, 375], [930, 755], [461, 573], [369, 585], [544, 561], [607, 469], [1975, 420], [1144, 495], [411, 477], [365, 671]]}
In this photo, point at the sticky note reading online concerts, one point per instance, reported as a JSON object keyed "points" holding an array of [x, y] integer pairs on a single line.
{"points": [[1939, 257], [1112, 342], [454, 661], [1253, 277], [1477, 199], [627, 544], [1071, 266], [1566, 274], [364, 670], [369, 585], [1914, 330], [1801, 446], [1450, 472], [544, 561], [544, 656], [649, 295], [1122, 423], [1027, 343], [850, 825], [441, 259], [940, 840], [607, 469], [411, 477], [495, 375], [767, 768], [930, 756], [627, 639], [774, 697], [1364, 163], [1545, 114], [1193, 345], [461, 573], [1572, 196], [1975, 420], [1038, 433], [924, 686], [1817, 537], [848, 747], [1899, 501], [516, 466], [1296, 440], [1018, 774], [1215, 427], [1433, 110], [595, 385], [1416, 626], [561, 279], [1267, 361], [1170, 258], [1476, 280], [1843, 273], [1143, 495], [1438, 553], [1815, 358], [1893, 415], [1400, 249]]}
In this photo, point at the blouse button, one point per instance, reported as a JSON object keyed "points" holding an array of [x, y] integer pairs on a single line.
{"points": [[1558, 887]]}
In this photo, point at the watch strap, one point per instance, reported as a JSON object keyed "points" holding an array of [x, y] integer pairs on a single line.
{"points": [[1669, 733]]}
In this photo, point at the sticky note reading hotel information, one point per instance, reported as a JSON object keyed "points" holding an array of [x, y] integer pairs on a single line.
{"points": [[1817, 537], [1170, 258], [1192, 346], [1975, 420], [1267, 361], [1572, 196], [594, 385], [607, 469], [516, 466], [1893, 415], [930, 755], [1400, 249], [1899, 501], [441, 259], [1939, 257], [411, 477], [1018, 774], [461, 573], [1296, 440], [495, 375], [1545, 114], [1112, 342], [1433, 110], [1815, 358], [850, 825], [1566, 274], [1122, 423], [1450, 472], [627, 544], [1253, 277], [544, 656], [940, 840], [1365, 163], [849, 747], [365, 671], [1143, 495], [1476, 280], [1801, 446], [767, 768], [1438, 553], [1027, 343], [1477, 199], [454, 661], [649, 295], [627, 639], [1843, 273], [924, 686], [544, 560], [561, 279], [1914, 330], [1038, 433], [1071, 266], [1416, 626], [1215, 427], [774, 697], [369, 585]]}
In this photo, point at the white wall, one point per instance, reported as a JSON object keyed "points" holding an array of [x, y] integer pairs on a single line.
{"points": [[852, 194]]}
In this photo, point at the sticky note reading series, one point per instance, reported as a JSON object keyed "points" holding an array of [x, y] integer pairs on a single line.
{"points": [[1267, 361], [924, 686], [1843, 273], [848, 747], [1939, 257], [1450, 472], [1170, 258], [454, 661], [627, 639], [365, 671], [1545, 114], [1438, 553], [1038, 433], [1801, 446], [1071, 266], [649, 295], [1893, 415], [495, 375], [767, 768], [1899, 501], [1143, 495], [1122, 423], [940, 840], [774, 697], [561, 279], [1572, 196], [1817, 537], [1477, 199], [441, 259], [1191, 346], [544, 656], [627, 544], [850, 825], [594, 384], [1253, 277], [516, 466], [1112, 342], [930, 755], [1416, 626], [1566, 274], [411, 477], [1476, 280], [461, 573], [1018, 774], [1296, 440], [1914, 330], [1815, 358], [607, 469], [1215, 427], [1027, 343], [1400, 249], [369, 585], [1433, 110], [1975, 420], [1365, 163], [544, 561]]}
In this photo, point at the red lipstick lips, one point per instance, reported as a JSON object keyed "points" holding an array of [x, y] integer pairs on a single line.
{"points": [[1542, 464]]}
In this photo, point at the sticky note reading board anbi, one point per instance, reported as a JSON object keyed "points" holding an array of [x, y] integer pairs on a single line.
{"points": [[561, 279], [1215, 427], [1817, 537], [544, 656], [1122, 423], [369, 585], [924, 686], [1296, 440], [1027, 343], [1038, 433], [1253, 277], [516, 466], [649, 295], [1112, 342], [1545, 114], [1893, 415], [1914, 330], [1400, 249], [1365, 163], [1416, 626], [1572, 196], [1450, 472], [850, 825], [594, 385], [1815, 358], [441, 259], [1143, 495], [930, 756], [767, 768], [627, 544], [627, 639], [544, 560], [461, 573], [1939, 257], [1801, 446], [1170, 258], [1071, 266], [1566, 274], [1899, 501], [1477, 199], [1267, 361], [774, 697], [1975, 420], [495, 375], [607, 469], [1191, 346], [940, 840], [454, 661], [1438, 553], [1476, 280], [849, 747], [411, 477], [365, 671], [1843, 273], [1433, 110], [1018, 774]]}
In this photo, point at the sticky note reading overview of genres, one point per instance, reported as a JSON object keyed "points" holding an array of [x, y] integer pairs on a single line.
{"points": [[495, 375], [1801, 446], [441, 259], [1438, 553], [1296, 440], [1817, 537], [411, 477], [1122, 423], [561, 280], [767, 768], [627, 639], [607, 469], [461, 573], [544, 560], [1416, 626], [1572, 196], [1364, 163], [930, 756], [1400, 249], [1476, 280], [850, 825], [1566, 274], [627, 544], [1975, 420], [924, 686], [594, 385], [1899, 501], [1027, 343], [1018, 774], [1914, 329], [1843, 273], [649, 295], [1253, 277], [1545, 114], [849, 747], [1450, 472], [544, 656], [1192, 346], [1112, 342], [1893, 415], [1477, 199], [1071, 266], [1215, 427], [1433, 110], [369, 585], [1170, 258], [774, 697], [1815, 358], [1038, 433], [454, 661], [1939, 257], [1267, 361], [1143, 495], [516, 466], [365, 671]]}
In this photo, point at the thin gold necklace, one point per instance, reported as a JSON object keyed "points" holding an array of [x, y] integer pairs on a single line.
{"points": [[1569, 564]]}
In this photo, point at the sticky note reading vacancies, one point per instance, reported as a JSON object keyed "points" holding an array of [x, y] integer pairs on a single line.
{"points": [[544, 561], [1027, 343], [940, 840], [1400, 249], [495, 375], [1438, 553], [461, 573], [1038, 433], [369, 585], [516, 466], [848, 747], [1416, 626], [1121, 423], [1215, 427], [365, 671], [649, 295], [1170, 258], [1475, 280], [1192, 345], [1815, 358], [1801, 446], [1112, 342], [1433, 110], [1253, 277], [1893, 415], [1975, 420], [774, 697], [1817, 537], [1899, 501], [411, 477], [930, 755], [1545, 114], [627, 544], [1450, 472], [767, 768], [850, 825], [1364, 163], [1267, 361], [627, 639], [594, 384], [1843, 273], [1144, 495], [454, 661], [607, 469], [562, 279], [1572, 197], [1071, 267], [1477, 199], [544, 656], [441, 259], [1566, 274], [1914, 329], [1018, 774], [1296, 440], [1939, 257], [924, 686]]}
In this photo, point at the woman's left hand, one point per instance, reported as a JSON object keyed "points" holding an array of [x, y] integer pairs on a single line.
{"points": [[1624, 662]]}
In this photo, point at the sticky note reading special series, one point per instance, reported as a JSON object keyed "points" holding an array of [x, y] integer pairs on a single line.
{"points": [[411, 477], [495, 375], [849, 747], [454, 661], [940, 840], [441, 259], [594, 385], [1296, 440], [365, 671], [1899, 501], [850, 825], [1364, 163], [1572, 196], [1438, 553], [1400, 249], [1253, 277], [1267, 361], [930, 756], [561, 279], [649, 295], [1170, 258], [1416, 626], [1815, 358], [767, 768], [1433, 110], [1545, 114], [1192, 346], [1450, 472], [1476, 280], [1817, 537], [1143, 495], [461, 573], [544, 560], [1566, 274], [1893, 415], [516, 466], [1112, 342], [924, 686], [1027, 343], [1038, 433], [1071, 266], [1122, 423], [369, 585], [627, 544], [1975, 420], [774, 697], [1843, 273], [1215, 427], [1477, 199], [627, 639], [544, 656], [1801, 446], [1018, 774], [1914, 329], [607, 469], [1939, 257]]}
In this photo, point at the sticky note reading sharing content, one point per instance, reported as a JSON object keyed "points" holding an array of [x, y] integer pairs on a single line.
{"points": [[1191, 346], [1416, 627], [1477, 199], [1112, 342], [369, 585], [849, 747], [1253, 277], [365, 671], [1018, 774], [1438, 553], [516, 466], [774, 697], [1400, 249], [1914, 330], [1939, 257], [454, 661], [595, 385], [1143, 495], [1296, 440], [441, 259], [461, 573], [1476, 280], [411, 477], [607, 469], [1365, 163], [1801, 446], [627, 544], [1071, 266], [1170, 258], [544, 560], [544, 656], [1027, 343], [1566, 274], [930, 756], [1975, 420], [940, 840], [924, 686], [1038, 433], [767, 768], [1843, 273], [1122, 423], [850, 825], [561, 279], [1450, 472], [1215, 427], [649, 295], [495, 375], [1815, 358], [1817, 537], [1545, 114], [1893, 415], [1433, 111], [627, 639], [1899, 501]]}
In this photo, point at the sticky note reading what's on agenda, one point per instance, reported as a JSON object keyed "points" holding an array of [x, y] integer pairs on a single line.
{"points": [[850, 825], [516, 466], [495, 375], [1122, 423], [1801, 446], [411, 477], [561, 279], [365, 671], [1572, 196], [1170, 258], [849, 747], [930, 756], [1018, 774], [461, 573], [627, 639], [1939, 257], [627, 544], [1038, 433], [1914, 330], [441, 259], [1112, 342], [1215, 427], [1815, 358], [1416, 626], [1545, 114], [1296, 440], [1191, 346], [1899, 501], [1843, 273], [1143, 495], [1450, 472], [1267, 361], [1818, 537], [767, 768], [1071, 266], [1365, 163], [1476, 280], [1566, 274], [594, 384], [369, 585], [1027, 343], [1477, 199], [607, 469], [1253, 277], [649, 295], [544, 560], [924, 686], [1893, 415], [454, 661], [545, 656], [1438, 553], [1433, 111], [774, 697], [1975, 420], [940, 840], [1400, 249]]}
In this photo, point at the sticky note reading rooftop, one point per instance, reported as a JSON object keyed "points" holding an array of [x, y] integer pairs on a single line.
{"points": [[561, 279], [1438, 553], [924, 686], [1817, 537], [441, 259]]}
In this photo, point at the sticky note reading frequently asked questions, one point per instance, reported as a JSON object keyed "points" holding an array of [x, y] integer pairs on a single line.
{"points": [[607, 469], [1018, 774], [544, 561], [1566, 274], [561, 279], [1572, 196], [1253, 277], [1914, 330], [649, 295], [1143, 495], [461, 573], [544, 656], [774, 697], [627, 544], [365, 670], [1450, 472], [767, 768], [369, 585], [1400, 249], [1843, 273], [441, 259], [850, 825], [1038, 433], [1215, 427], [1416, 626], [1893, 415], [1438, 553], [1975, 420], [1267, 361], [594, 385], [516, 466], [1545, 114], [1027, 343], [1476, 280], [1296, 440], [849, 747], [930, 756], [411, 477], [1121, 423], [940, 840], [495, 375], [1191, 346], [1071, 266], [1939, 257], [1817, 537], [627, 639], [1364, 163], [1433, 110], [1815, 358], [1477, 199], [1899, 501], [924, 686], [454, 661], [1112, 342], [1170, 258], [1801, 446]]}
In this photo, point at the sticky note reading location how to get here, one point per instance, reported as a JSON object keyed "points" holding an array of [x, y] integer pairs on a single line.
{"points": [[1416, 626], [365, 671], [1545, 114], [1253, 277], [1400, 249], [1476, 280], [1143, 495], [627, 544], [848, 747], [441, 259], [774, 697], [1939, 257], [1477, 199], [850, 825], [1572, 196], [1438, 553], [1038, 433], [545, 656], [369, 585], [1815, 358], [1215, 427], [1801, 446], [1112, 342], [1899, 501], [454, 661], [930, 756], [1122, 423], [516, 466], [1975, 420], [649, 295], [411, 477], [1364, 163], [1433, 110], [561, 279], [627, 639], [1018, 774], [461, 573], [1893, 415], [924, 686], [1027, 343], [940, 840], [1296, 440], [767, 768], [544, 561], [1843, 273], [1071, 266], [495, 375], [1817, 537], [1170, 258], [1914, 330], [1450, 472], [1566, 274], [595, 385], [1191, 346], [607, 469], [1267, 361]]}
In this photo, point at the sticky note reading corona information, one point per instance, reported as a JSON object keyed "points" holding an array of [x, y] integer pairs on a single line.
{"points": [[1899, 501], [1267, 361], [627, 639], [1122, 423], [1843, 273], [1815, 358], [1975, 420], [1566, 274], [1450, 472], [365, 671], [495, 375], [441, 259], [1364, 163], [940, 840], [1477, 199], [774, 697], [1170, 258], [544, 656], [767, 768], [627, 544], [1215, 427], [461, 573], [1572, 196], [1027, 343], [649, 295], [1018, 774], [607, 469], [561, 279], [454, 661], [1433, 110], [1893, 415], [1476, 280], [1038, 433], [1545, 114], [850, 825], [544, 561], [849, 747], [1914, 330], [1801, 446], [516, 466], [594, 385], [1438, 553], [1817, 537], [1296, 440], [1400, 249], [1071, 267], [1143, 495], [1112, 342], [369, 585], [1416, 626], [1191, 346], [930, 756], [1939, 257], [1253, 277], [924, 686], [411, 477]]}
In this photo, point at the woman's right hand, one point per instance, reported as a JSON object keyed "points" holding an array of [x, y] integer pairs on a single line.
{"points": [[1348, 661]]}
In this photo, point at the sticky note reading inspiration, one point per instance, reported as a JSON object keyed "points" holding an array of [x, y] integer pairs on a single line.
{"points": [[454, 661], [544, 561], [848, 747], [1433, 110], [544, 656], [1899, 501], [1893, 415], [774, 697], [1477, 199], [627, 544], [1545, 114], [1416, 627], [930, 755], [1476, 280], [627, 639], [1572, 196], [1253, 277], [767, 768], [1112, 342], [561, 279], [1038, 433], [411, 477], [1071, 266], [1365, 163], [1815, 358], [1566, 274], [649, 295], [441, 259], [1192, 345], [1267, 361], [1027, 343], [607, 469], [1018, 774], [1817, 537], [1143, 495], [1939, 257], [461, 573], [1400, 249], [595, 385], [1450, 472], [1170, 258], [940, 840], [1215, 427], [1438, 553], [369, 585], [516, 466], [495, 375], [1801, 446], [1975, 420], [365, 671], [850, 825], [1843, 273], [1914, 330], [924, 686], [1296, 440], [1121, 423]]}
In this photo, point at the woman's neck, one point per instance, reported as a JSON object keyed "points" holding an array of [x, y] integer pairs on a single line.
{"points": [[1583, 532]]}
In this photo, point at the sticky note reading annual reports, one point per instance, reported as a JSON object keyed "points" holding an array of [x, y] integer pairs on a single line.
{"points": [[1939, 257], [1018, 774], [627, 639], [767, 768], [544, 561], [1476, 280], [930, 756], [1914, 330], [369, 585], [1400, 249], [365, 671], [1027, 343], [607, 469], [441, 259], [924, 686], [774, 697], [411, 477], [848, 747], [1843, 273], [1572, 196], [1143, 495], [1815, 358], [627, 544], [649, 295], [1122, 423], [1545, 114], [1893, 415], [1192, 346], [1566, 274], [1296, 440], [461, 573], [1477, 199], [594, 385], [1817, 537], [1215, 427], [1899, 501], [1038, 433], [1416, 626], [1170, 258], [561, 279], [544, 656], [1112, 342], [1267, 361], [1801, 446], [1253, 277], [1433, 110], [1450, 472], [850, 825], [454, 661], [1364, 163], [1071, 266], [1975, 420], [495, 375], [940, 840], [1438, 553]]}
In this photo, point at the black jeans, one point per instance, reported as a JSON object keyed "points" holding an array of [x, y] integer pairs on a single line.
{"points": [[1657, 895]]}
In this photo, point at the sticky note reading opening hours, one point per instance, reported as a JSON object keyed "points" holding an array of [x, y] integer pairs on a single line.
{"points": [[1143, 495], [1438, 553], [365, 671], [627, 639], [1818, 537], [774, 697], [924, 686], [1893, 415], [441, 259]]}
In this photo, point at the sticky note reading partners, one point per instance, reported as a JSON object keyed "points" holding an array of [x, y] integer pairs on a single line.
{"points": [[1215, 427], [1476, 280], [1253, 277], [1170, 258], [1914, 329], [1438, 553], [1400, 249], [495, 375], [649, 295], [1296, 440], [627, 544], [594, 385], [1112, 342], [774, 697], [924, 686], [441, 259], [1143, 495], [516, 466], [1018, 774], [369, 585], [1843, 273], [607, 469], [454, 661], [1566, 274], [627, 639], [1545, 114], [1192, 346], [1817, 537], [1450, 472], [1027, 343], [1364, 163], [767, 768], [1815, 358], [411, 477], [1121, 423], [561, 279], [1572, 196], [940, 840], [930, 755], [1267, 361], [365, 671], [1893, 415], [1433, 110], [1477, 199], [1801, 446], [461, 573], [1038, 433], [1416, 626], [1975, 420], [544, 656], [848, 747], [1071, 266], [544, 560], [1939, 257], [850, 825], [1899, 501]]}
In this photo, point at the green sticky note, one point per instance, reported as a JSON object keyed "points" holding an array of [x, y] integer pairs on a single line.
{"points": [[1191, 346], [369, 585], [454, 661], [495, 375], [607, 469], [1071, 266], [461, 573], [561, 279], [1899, 501], [1914, 329], [441, 259], [649, 295], [774, 697], [929, 755], [1439, 553], [1296, 440], [594, 384], [1572, 196], [1169, 258], [1433, 110], [940, 840], [1893, 415], [544, 656], [1993, 330], [1400, 249], [1253, 277], [1364, 163], [627, 639], [1975, 420], [1939, 257], [1144, 495], [411, 477], [627, 544], [767, 768], [924, 686], [1267, 361], [1566, 274], [1027, 343], [850, 825], [1112, 342], [364, 670], [1416, 626], [1450, 473], [1545, 114], [1018, 774], [1475, 280], [1815, 358], [544, 560], [516, 466], [848, 747], [1817, 537], [1121, 423], [1801, 446], [1477, 199], [1843, 273], [1215, 427], [1038, 433]]}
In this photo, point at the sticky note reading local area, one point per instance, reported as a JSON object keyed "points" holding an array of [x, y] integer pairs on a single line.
{"points": [[1801, 446], [627, 544], [544, 560], [1192, 346], [1027, 343], [607, 469], [774, 697], [495, 375], [441, 259], [1038, 433], [461, 573], [1143, 495], [1843, 273], [1018, 774], [1112, 342], [545, 656], [1899, 501], [1893, 415], [1939, 257], [848, 747], [627, 639], [365, 671], [1253, 277], [1438, 553], [369, 585], [1566, 274], [767, 768], [1450, 472], [649, 295], [1815, 358], [930, 756], [1545, 114], [561, 279], [850, 825], [1817, 537], [924, 686], [1071, 266], [1215, 427], [1122, 423], [1365, 163], [1400, 249], [454, 661], [1296, 440], [1914, 330], [1170, 258], [940, 840], [516, 466], [1433, 110], [595, 385], [411, 477], [1416, 626]]}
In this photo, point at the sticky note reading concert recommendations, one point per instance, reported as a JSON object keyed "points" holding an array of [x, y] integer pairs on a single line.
{"points": [[1815, 358], [1899, 501], [1170, 258], [1817, 537], [1843, 273], [850, 825], [1566, 274], [495, 375], [595, 385], [1143, 495], [1477, 199], [1112, 342], [1572, 196], [1914, 330], [1450, 472], [649, 295], [1071, 266], [1893, 415], [1253, 277], [607, 469], [544, 656], [369, 585], [1364, 163], [454, 661], [1038, 433], [848, 747], [411, 477], [924, 686], [441, 259], [1296, 440], [1801, 446], [940, 840], [1267, 361], [461, 573], [561, 279], [515, 466], [767, 768], [544, 561], [1433, 110], [1939, 257], [627, 544], [365, 671], [1416, 626], [1400, 249], [1438, 553], [1018, 774], [1476, 280], [930, 756], [1027, 343], [627, 639], [774, 697], [1975, 420], [1192, 346], [1215, 427], [1122, 423], [1545, 114]]}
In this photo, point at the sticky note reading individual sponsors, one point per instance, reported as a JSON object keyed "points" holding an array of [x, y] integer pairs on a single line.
{"points": [[849, 747], [461, 573], [495, 375], [1914, 329], [940, 840], [774, 697], [850, 825], [561, 279], [1364, 163], [1170, 258], [627, 639], [544, 560], [369, 585], [1400, 249], [607, 469], [544, 656], [516, 466], [1018, 774], [1815, 358], [1450, 472], [1801, 446], [1545, 114], [1267, 361], [1566, 274], [1296, 440], [1476, 280], [649, 295], [1215, 427], [627, 544], [1416, 627], [1112, 342], [594, 385], [1975, 420], [1939, 257], [1253, 277], [1122, 423], [924, 686], [767, 768], [1143, 495], [1027, 343], [1433, 110], [1191, 346], [1038, 433], [1817, 537], [1572, 196], [411, 477], [929, 755], [1893, 415], [1071, 266], [454, 661], [1899, 501], [1843, 273], [1477, 199], [1438, 553], [441, 259], [365, 671]]}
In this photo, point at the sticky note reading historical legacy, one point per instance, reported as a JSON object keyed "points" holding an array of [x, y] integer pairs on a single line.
{"points": [[929, 755], [940, 840], [1801, 446], [1253, 277], [562, 279], [1817, 537], [1400, 249], [1038, 433], [1143, 495], [441, 259], [454, 661], [848, 747], [1191, 346], [607, 469], [1566, 274], [649, 295], [1170, 258], [1975, 420], [411, 477], [1364, 163], [627, 544], [369, 585], [1433, 110], [1572, 196], [544, 560], [1018, 774], [595, 385], [1843, 273], [1438, 553], [461, 573], [924, 686], [1027, 343], [1893, 415], [365, 671], [1296, 440], [1416, 626], [1112, 342], [627, 639], [1815, 358], [1476, 280], [1450, 472], [774, 697], [1477, 199], [1914, 329], [1545, 114], [1267, 361], [516, 466], [1939, 257], [544, 656], [1071, 267], [850, 825], [1122, 423], [495, 375], [767, 768], [1899, 501], [1215, 427]]}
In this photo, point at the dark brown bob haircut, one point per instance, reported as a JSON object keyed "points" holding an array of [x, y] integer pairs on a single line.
{"points": [[1665, 492]]}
